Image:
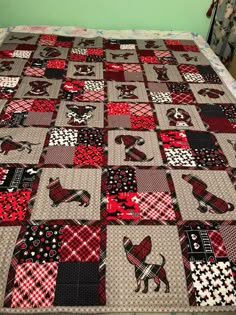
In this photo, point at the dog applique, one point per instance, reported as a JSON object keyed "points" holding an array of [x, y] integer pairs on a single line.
{"points": [[8, 144], [136, 255], [38, 88], [212, 93], [58, 194], [6, 65], [84, 70], [207, 200], [126, 91], [178, 117], [189, 58], [79, 115], [151, 44], [86, 42], [50, 52], [233, 143], [125, 55], [131, 152], [161, 73]]}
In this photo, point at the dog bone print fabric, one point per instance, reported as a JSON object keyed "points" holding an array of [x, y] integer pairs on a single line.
{"points": [[117, 176]]}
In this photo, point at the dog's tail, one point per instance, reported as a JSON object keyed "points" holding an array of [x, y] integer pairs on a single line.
{"points": [[163, 260]]}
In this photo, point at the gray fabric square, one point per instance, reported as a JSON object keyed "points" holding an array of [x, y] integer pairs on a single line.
{"points": [[116, 121], [93, 42], [21, 38], [124, 56], [96, 113], [158, 87], [227, 142], [11, 66], [60, 155], [162, 73], [153, 44], [189, 57], [85, 70], [152, 181], [38, 118], [48, 52], [220, 92], [133, 76], [26, 88], [127, 92]]}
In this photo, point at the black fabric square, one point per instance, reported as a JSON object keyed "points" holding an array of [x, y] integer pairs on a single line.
{"points": [[205, 69], [211, 111], [64, 39], [209, 158], [54, 73], [122, 179], [89, 273], [88, 295], [39, 63], [66, 295], [68, 273], [90, 136], [199, 140], [176, 87]]}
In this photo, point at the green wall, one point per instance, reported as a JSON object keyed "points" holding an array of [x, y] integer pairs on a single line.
{"points": [[183, 15]]}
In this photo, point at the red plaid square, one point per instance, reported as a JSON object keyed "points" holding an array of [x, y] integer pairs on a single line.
{"points": [[217, 243], [185, 98], [63, 44], [142, 122], [35, 72], [34, 285], [56, 64], [173, 42], [80, 243], [149, 59], [132, 67], [93, 96], [47, 40], [140, 109], [118, 109], [19, 106], [43, 106], [188, 69], [156, 206], [162, 53]]}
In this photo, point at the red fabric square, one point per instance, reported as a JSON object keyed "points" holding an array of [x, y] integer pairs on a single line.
{"points": [[13, 205], [92, 96], [219, 124], [191, 48], [173, 42], [6, 53], [188, 69], [47, 40], [34, 285], [118, 109], [35, 72], [56, 64], [80, 243], [178, 98], [114, 76], [156, 206], [63, 44], [149, 59], [123, 206], [174, 139], [95, 51], [43, 106], [78, 57], [217, 243], [88, 155], [142, 122]]}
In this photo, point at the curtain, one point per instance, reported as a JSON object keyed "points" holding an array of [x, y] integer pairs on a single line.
{"points": [[223, 40]]}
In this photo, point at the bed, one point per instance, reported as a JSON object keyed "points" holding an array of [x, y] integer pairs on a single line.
{"points": [[117, 175]]}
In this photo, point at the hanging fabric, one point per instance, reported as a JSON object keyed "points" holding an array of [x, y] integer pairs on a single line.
{"points": [[223, 40]]}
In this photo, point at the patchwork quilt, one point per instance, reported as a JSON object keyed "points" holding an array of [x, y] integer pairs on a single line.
{"points": [[117, 177]]}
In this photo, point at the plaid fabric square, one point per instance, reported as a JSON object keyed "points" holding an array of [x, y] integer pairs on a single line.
{"points": [[34, 72], [14, 205], [92, 96], [180, 157], [193, 77], [213, 283], [181, 98], [188, 69], [94, 51], [149, 59], [156, 206], [77, 57], [161, 97], [63, 136], [88, 155], [132, 67], [80, 243], [142, 122], [162, 53], [19, 106], [34, 285], [217, 243], [140, 110], [47, 40], [123, 206], [118, 109], [228, 233], [43, 106], [40, 244]]}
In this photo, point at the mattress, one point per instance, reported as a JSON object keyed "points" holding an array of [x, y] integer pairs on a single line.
{"points": [[117, 175]]}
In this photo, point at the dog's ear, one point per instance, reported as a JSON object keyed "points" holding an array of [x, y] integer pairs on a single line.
{"points": [[139, 140], [118, 139], [127, 244], [146, 246], [50, 180]]}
